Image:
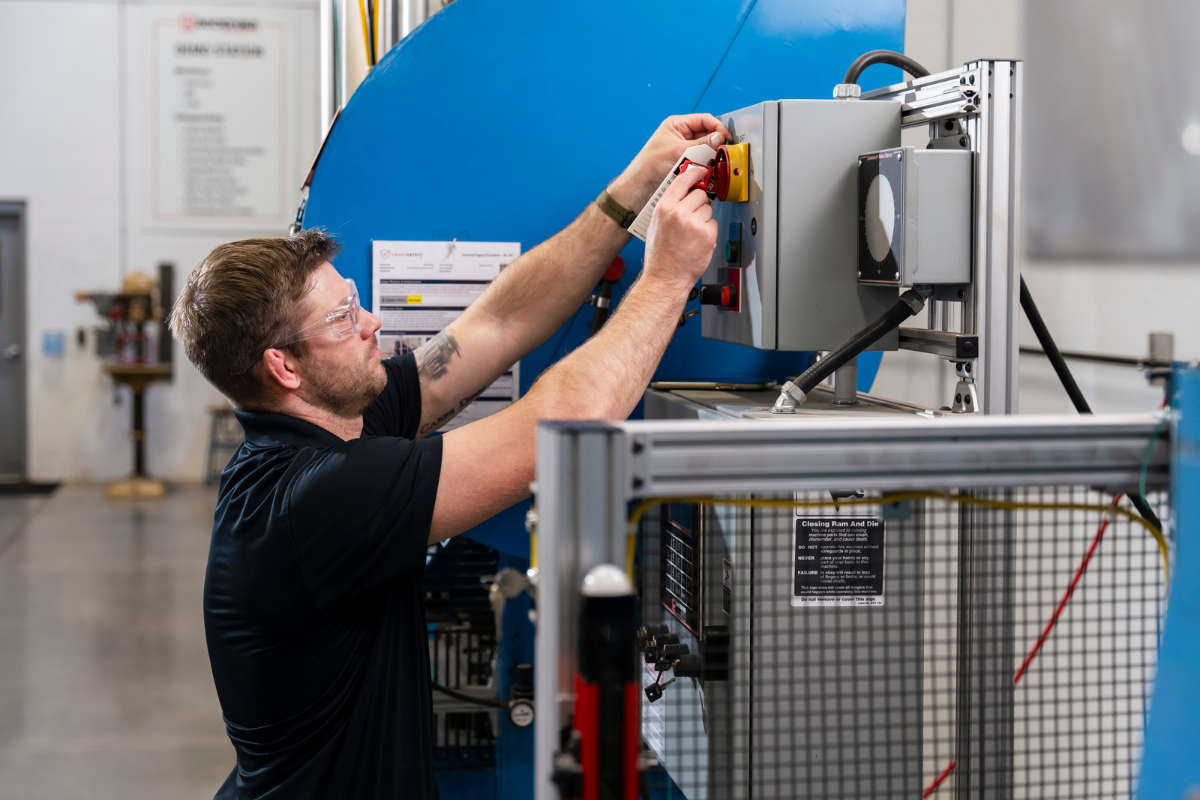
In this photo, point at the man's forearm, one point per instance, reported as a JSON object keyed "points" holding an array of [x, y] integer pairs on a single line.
{"points": [[540, 291], [605, 378]]}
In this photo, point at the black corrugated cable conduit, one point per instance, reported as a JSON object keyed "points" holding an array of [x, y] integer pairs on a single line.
{"points": [[909, 305], [1068, 382], [884, 57]]}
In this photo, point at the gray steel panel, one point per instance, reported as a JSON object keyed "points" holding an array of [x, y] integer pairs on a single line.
{"points": [[813, 734], [821, 303], [938, 196]]}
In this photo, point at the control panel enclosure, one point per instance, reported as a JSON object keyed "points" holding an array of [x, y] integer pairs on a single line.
{"points": [[791, 247]]}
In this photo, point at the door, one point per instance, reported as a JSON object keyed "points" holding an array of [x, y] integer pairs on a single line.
{"points": [[12, 342]]}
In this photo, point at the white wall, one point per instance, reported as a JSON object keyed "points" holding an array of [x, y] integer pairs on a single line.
{"points": [[60, 151], [1100, 307]]}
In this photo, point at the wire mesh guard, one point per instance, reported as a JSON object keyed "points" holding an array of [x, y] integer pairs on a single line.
{"points": [[868, 650]]}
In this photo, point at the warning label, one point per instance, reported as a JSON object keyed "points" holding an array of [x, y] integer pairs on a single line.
{"points": [[839, 561]]}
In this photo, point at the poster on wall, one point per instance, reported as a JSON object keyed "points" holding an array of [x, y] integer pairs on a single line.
{"points": [[419, 288], [220, 125]]}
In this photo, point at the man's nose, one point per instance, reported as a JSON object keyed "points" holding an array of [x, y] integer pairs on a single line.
{"points": [[373, 323]]}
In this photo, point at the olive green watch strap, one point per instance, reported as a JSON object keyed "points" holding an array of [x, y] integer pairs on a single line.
{"points": [[620, 214]]}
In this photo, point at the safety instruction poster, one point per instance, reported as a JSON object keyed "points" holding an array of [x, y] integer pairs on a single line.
{"points": [[419, 288], [219, 124], [838, 561]]}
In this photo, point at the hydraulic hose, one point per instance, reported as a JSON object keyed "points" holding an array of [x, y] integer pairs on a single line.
{"points": [[909, 305], [1068, 382], [884, 57]]}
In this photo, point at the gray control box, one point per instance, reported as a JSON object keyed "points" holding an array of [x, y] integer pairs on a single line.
{"points": [[914, 220], [794, 251]]}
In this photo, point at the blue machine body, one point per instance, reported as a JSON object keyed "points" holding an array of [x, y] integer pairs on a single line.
{"points": [[1170, 767], [502, 121]]}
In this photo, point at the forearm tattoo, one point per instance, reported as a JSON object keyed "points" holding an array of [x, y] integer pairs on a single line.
{"points": [[433, 358], [434, 424]]}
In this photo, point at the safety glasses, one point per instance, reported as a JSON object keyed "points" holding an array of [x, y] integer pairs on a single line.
{"points": [[339, 323]]}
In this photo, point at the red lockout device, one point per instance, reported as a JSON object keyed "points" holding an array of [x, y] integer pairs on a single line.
{"points": [[708, 183]]}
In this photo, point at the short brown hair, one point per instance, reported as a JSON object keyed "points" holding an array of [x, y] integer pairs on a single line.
{"points": [[242, 299]]}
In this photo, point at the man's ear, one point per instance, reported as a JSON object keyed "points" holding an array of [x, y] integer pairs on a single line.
{"points": [[281, 369]]}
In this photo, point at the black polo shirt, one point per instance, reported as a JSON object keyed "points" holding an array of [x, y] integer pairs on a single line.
{"points": [[313, 603]]}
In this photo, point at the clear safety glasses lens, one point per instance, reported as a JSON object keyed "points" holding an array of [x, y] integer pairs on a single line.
{"points": [[341, 322]]}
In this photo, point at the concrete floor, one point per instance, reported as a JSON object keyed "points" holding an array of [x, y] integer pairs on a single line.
{"points": [[105, 688]]}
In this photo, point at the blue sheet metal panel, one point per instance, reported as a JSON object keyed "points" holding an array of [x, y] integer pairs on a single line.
{"points": [[501, 121], [1171, 765], [514, 746]]}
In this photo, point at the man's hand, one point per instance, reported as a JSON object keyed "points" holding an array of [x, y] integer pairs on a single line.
{"points": [[676, 134], [682, 234]]}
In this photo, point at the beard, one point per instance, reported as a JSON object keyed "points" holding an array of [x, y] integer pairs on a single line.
{"points": [[343, 392]]}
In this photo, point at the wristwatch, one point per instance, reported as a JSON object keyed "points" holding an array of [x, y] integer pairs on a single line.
{"points": [[620, 214]]}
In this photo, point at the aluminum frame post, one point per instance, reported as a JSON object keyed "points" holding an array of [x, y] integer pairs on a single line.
{"points": [[992, 309], [581, 523], [984, 746], [985, 98]]}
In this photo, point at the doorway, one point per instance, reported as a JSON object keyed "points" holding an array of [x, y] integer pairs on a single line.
{"points": [[13, 350]]}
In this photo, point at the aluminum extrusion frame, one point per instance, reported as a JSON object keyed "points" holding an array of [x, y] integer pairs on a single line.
{"points": [[587, 472]]}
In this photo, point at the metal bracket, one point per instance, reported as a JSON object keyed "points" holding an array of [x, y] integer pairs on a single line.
{"points": [[950, 94], [966, 401], [953, 346]]}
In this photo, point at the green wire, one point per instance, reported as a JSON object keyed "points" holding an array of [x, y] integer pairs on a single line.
{"points": [[1150, 448]]}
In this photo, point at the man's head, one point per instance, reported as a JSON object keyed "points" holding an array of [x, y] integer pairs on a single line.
{"points": [[247, 299]]}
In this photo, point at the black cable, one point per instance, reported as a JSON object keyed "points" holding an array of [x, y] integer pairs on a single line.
{"points": [[1068, 383], [909, 305], [1052, 352], [466, 698], [884, 57]]}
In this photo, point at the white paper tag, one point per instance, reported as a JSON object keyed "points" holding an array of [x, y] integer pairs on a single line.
{"points": [[700, 154]]}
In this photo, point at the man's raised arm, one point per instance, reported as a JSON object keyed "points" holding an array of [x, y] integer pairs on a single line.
{"points": [[540, 291], [487, 465]]}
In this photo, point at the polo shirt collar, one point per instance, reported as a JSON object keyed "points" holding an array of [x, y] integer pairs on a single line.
{"points": [[267, 428]]}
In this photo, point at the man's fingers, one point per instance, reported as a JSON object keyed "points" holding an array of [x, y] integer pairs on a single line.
{"points": [[713, 140], [700, 125], [693, 200], [679, 187]]}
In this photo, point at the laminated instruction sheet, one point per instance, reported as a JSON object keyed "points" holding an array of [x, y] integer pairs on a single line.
{"points": [[418, 288]]}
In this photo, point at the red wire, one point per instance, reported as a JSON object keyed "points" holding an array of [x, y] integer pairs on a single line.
{"points": [[1083, 565], [940, 778]]}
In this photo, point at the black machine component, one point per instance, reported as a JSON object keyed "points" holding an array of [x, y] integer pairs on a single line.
{"points": [[681, 564], [602, 299], [597, 757], [462, 653]]}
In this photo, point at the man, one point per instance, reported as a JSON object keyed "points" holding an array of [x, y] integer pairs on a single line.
{"points": [[312, 600]]}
